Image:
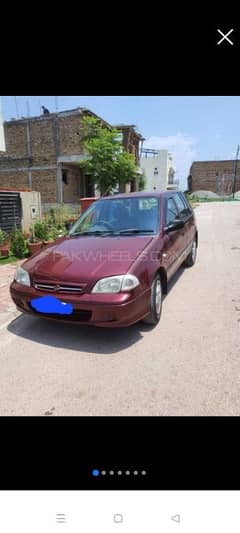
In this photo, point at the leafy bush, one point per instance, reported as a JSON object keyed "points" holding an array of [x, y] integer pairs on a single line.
{"points": [[3, 237], [40, 230], [17, 244], [52, 215], [56, 232]]}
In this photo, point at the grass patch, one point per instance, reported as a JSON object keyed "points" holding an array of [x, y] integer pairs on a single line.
{"points": [[7, 260]]}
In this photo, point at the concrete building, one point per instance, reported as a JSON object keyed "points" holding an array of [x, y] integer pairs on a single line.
{"points": [[158, 169], [215, 176], [44, 152]]}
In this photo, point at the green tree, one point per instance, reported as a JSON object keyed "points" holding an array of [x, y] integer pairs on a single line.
{"points": [[142, 181], [107, 162]]}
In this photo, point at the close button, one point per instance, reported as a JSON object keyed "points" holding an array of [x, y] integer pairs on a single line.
{"points": [[176, 518], [225, 36]]}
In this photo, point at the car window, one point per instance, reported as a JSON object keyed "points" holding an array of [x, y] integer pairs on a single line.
{"points": [[172, 212], [187, 205], [183, 210]]}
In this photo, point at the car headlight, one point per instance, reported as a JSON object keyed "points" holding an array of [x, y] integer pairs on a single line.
{"points": [[116, 284], [22, 277]]}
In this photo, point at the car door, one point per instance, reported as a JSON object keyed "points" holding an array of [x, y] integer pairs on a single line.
{"points": [[174, 240], [185, 214]]}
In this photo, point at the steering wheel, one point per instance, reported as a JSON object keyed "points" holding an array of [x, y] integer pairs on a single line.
{"points": [[104, 223]]}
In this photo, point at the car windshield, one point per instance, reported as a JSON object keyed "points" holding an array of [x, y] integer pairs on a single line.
{"points": [[138, 215]]}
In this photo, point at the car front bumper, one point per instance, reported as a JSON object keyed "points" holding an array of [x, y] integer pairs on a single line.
{"points": [[105, 310]]}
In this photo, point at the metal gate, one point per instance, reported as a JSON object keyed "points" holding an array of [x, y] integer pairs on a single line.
{"points": [[10, 211]]}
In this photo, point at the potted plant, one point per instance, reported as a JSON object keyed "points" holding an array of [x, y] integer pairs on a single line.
{"points": [[40, 230], [4, 243], [34, 244], [17, 243], [50, 237]]}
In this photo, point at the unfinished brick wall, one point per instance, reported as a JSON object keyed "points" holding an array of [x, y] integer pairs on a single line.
{"points": [[43, 142], [50, 136], [70, 134], [17, 179], [45, 182], [40, 142], [7, 163], [213, 176], [16, 139]]}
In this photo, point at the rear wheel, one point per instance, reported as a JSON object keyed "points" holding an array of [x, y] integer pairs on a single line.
{"points": [[155, 302], [191, 258]]}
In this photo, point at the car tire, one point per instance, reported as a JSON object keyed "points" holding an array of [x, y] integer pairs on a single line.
{"points": [[191, 258], [155, 302]]}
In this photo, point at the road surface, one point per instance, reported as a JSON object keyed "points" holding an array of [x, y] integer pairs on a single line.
{"points": [[188, 365]]}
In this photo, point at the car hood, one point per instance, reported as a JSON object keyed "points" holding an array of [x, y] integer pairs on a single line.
{"points": [[86, 259]]}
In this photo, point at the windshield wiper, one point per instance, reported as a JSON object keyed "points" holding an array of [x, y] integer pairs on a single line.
{"points": [[112, 232], [134, 230]]}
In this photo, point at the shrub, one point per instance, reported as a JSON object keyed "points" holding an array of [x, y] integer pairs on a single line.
{"points": [[40, 230], [17, 244], [3, 237], [56, 232]]}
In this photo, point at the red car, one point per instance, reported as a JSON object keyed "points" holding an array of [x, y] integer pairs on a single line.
{"points": [[114, 265]]}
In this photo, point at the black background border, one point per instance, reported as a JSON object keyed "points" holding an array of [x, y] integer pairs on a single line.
{"points": [[57, 453]]}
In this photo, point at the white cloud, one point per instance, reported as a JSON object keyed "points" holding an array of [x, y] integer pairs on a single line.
{"points": [[183, 149]]}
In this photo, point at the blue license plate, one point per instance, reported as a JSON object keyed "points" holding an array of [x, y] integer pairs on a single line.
{"points": [[51, 305]]}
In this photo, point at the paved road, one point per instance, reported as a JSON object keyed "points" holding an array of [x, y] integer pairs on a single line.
{"points": [[188, 365]]}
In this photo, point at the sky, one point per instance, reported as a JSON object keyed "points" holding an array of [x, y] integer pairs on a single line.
{"points": [[192, 128]]}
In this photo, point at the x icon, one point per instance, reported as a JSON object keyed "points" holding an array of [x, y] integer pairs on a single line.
{"points": [[225, 36]]}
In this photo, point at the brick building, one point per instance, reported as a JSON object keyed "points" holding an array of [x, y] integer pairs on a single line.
{"points": [[44, 152], [215, 176]]}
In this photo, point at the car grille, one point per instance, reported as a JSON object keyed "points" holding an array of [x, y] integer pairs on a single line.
{"points": [[58, 287]]}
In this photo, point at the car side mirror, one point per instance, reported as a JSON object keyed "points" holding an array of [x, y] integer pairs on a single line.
{"points": [[178, 224]]}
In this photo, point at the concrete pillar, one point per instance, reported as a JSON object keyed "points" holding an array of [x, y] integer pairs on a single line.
{"points": [[59, 184], [30, 179]]}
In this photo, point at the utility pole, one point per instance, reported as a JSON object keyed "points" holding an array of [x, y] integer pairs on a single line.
{"points": [[15, 98], [28, 109], [56, 103], [235, 171]]}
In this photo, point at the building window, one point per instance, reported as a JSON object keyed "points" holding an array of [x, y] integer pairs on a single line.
{"points": [[65, 177], [155, 171]]}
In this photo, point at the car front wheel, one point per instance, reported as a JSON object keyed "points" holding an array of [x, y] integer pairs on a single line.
{"points": [[155, 302]]}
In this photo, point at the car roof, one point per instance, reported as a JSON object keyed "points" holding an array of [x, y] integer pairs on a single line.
{"points": [[140, 194]]}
